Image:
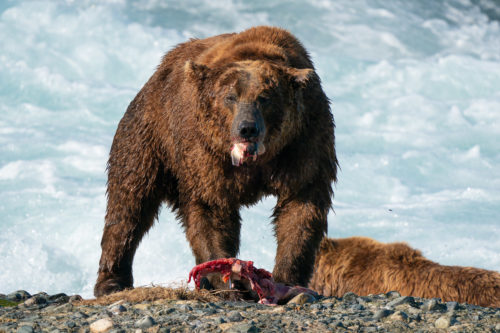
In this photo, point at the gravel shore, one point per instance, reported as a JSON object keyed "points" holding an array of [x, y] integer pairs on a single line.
{"points": [[389, 312]]}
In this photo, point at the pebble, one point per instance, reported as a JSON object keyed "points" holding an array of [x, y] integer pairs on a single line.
{"points": [[58, 298], [400, 300], [145, 322], [442, 322], [399, 315], [19, 295], [102, 325], [117, 309], [382, 313], [25, 329], [433, 305], [375, 313], [393, 294], [302, 298], [75, 298], [357, 307], [185, 308], [36, 299], [350, 297], [234, 316], [142, 306], [451, 306], [243, 328]]}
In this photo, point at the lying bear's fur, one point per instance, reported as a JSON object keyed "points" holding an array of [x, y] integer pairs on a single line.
{"points": [[365, 266]]}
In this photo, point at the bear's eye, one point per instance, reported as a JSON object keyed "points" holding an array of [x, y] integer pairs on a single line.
{"points": [[230, 99], [264, 100]]}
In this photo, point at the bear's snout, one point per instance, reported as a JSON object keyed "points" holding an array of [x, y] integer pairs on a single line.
{"points": [[248, 124], [247, 134], [248, 129]]}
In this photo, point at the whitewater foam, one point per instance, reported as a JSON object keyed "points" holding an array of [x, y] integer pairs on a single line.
{"points": [[415, 95]]}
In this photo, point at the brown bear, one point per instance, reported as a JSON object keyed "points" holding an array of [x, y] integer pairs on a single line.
{"points": [[365, 266], [223, 122]]}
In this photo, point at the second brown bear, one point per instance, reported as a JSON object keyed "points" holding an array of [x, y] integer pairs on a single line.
{"points": [[364, 266]]}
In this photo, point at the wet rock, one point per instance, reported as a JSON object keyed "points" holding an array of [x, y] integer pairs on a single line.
{"points": [[25, 329], [207, 312], [317, 306], [336, 324], [364, 300], [451, 306], [79, 315], [142, 306], [442, 322], [62, 308], [350, 297], [400, 300], [17, 296], [75, 298], [234, 316], [243, 328], [101, 325], [393, 294], [357, 307], [185, 308], [117, 309], [145, 322], [399, 315], [219, 320], [302, 298], [164, 312], [36, 300], [58, 298], [382, 313], [433, 305]]}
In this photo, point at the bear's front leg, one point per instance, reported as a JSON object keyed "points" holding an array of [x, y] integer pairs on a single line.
{"points": [[213, 233], [137, 183], [300, 225], [126, 224]]}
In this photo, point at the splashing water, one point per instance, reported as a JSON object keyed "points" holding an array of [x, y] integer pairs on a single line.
{"points": [[416, 99]]}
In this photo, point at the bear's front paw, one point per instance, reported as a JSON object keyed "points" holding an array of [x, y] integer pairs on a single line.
{"points": [[110, 285]]}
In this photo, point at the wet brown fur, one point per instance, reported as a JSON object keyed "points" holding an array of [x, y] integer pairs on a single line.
{"points": [[173, 146], [365, 266]]}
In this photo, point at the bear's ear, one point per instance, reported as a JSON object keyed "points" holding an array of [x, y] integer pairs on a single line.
{"points": [[195, 71], [300, 76]]}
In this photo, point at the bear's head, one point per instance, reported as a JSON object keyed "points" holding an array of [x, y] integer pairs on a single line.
{"points": [[249, 109]]}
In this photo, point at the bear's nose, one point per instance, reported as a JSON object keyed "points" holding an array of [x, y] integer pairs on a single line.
{"points": [[248, 129]]}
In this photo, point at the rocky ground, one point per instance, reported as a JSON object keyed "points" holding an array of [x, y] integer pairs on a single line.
{"points": [[181, 310]]}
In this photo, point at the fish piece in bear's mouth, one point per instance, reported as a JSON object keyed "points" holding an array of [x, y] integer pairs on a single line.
{"points": [[244, 151]]}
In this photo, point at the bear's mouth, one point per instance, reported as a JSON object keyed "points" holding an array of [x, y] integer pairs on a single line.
{"points": [[242, 152]]}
